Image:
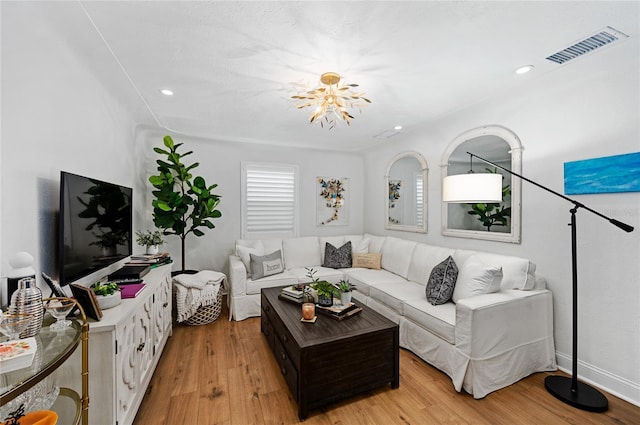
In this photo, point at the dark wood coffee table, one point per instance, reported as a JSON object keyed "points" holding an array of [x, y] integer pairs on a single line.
{"points": [[330, 360]]}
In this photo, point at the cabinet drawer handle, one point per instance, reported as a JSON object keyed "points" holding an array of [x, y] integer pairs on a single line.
{"points": [[140, 346], [283, 355], [284, 371], [266, 332], [165, 304], [284, 338], [268, 308]]}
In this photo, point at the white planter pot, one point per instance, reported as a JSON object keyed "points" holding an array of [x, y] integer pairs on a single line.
{"points": [[345, 298], [153, 249], [109, 301]]}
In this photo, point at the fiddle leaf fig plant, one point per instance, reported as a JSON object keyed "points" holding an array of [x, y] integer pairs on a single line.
{"points": [[183, 204], [492, 214]]}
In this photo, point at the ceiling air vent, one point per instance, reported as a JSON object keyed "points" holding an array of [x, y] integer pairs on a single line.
{"points": [[600, 39]]}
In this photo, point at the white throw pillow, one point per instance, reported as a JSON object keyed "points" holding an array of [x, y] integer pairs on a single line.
{"points": [[476, 278], [244, 253], [361, 246]]}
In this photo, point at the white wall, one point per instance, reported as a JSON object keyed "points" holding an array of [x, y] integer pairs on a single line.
{"points": [[55, 116], [594, 115], [220, 164]]}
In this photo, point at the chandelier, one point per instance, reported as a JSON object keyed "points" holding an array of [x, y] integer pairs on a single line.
{"points": [[332, 103]]}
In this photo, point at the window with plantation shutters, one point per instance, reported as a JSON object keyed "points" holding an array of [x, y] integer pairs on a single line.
{"points": [[419, 199], [269, 200]]}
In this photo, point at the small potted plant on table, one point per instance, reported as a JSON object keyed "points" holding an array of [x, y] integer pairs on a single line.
{"points": [[107, 294], [345, 288], [150, 240]]}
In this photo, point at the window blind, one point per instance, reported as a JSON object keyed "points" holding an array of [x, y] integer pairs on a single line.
{"points": [[419, 200], [269, 200]]}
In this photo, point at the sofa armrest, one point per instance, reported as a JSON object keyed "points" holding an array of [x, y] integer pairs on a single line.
{"points": [[237, 277], [491, 324]]}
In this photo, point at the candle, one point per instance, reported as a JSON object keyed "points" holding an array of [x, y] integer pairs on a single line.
{"points": [[308, 311]]}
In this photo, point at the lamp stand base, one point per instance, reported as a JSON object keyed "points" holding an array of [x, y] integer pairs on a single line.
{"points": [[585, 397]]}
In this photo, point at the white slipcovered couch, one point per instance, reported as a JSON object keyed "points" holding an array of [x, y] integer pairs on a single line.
{"points": [[484, 342]]}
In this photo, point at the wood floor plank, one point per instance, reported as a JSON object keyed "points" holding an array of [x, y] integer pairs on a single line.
{"points": [[223, 373]]}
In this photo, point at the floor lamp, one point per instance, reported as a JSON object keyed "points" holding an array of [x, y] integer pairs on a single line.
{"points": [[471, 188]]}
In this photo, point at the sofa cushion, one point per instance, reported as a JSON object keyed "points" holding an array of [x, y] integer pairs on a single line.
{"points": [[337, 258], [333, 240], [376, 242], [359, 244], [394, 294], [442, 282], [425, 258], [283, 279], [367, 261], [244, 253], [321, 273], [396, 255], [301, 252], [266, 265], [476, 278], [364, 278], [439, 319], [519, 273]]}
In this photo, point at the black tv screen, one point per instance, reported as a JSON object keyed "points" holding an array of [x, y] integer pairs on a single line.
{"points": [[95, 225]]}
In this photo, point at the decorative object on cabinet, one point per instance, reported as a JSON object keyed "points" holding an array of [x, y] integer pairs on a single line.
{"points": [[87, 300], [332, 205], [12, 325], [568, 389], [59, 310], [405, 183], [107, 294], [22, 263], [182, 204], [150, 240], [502, 146], [27, 299]]}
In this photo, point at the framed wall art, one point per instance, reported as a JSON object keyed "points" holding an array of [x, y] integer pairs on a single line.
{"points": [[332, 201]]}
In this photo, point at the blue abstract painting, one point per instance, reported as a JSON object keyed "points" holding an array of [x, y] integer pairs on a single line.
{"points": [[609, 174]]}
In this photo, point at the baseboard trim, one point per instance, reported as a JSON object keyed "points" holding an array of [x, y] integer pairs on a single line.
{"points": [[613, 384]]}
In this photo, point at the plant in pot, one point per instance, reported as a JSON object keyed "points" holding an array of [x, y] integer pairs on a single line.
{"points": [[107, 294], [345, 288], [183, 204], [326, 291], [150, 240]]}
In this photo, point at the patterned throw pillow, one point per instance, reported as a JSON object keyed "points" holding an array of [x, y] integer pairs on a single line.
{"points": [[371, 260], [442, 282], [337, 258], [266, 265]]}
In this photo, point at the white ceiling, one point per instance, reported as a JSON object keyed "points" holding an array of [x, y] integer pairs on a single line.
{"points": [[232, 64]]}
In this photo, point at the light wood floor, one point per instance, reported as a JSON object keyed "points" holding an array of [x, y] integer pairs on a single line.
{"points": [[224, 373]]}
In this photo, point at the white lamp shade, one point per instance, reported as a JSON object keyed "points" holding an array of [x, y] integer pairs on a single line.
{"points": [[472, 188]]}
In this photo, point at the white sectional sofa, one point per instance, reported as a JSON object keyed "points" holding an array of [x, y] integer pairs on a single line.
{"points": [[483, 342]]}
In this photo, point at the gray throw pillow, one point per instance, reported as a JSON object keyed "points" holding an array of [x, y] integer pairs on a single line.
{"points": [[266, 265], [442, 282], [337, 258]]}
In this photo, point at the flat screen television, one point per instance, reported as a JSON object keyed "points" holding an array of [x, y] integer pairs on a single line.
{"points": [[95, 226]]}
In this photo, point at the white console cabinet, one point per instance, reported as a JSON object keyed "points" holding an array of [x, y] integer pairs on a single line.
{"points": [[124, 350]]}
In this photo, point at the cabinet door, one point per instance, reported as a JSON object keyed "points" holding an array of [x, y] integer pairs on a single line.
{"points": [[144, 339], [126, 367], [162, 313]]}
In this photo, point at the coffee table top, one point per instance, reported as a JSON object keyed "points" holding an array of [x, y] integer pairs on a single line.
{"points": [[325, 329]]}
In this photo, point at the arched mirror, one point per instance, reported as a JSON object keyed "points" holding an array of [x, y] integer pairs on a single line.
{"points": [[490, 221], [406, 183]]}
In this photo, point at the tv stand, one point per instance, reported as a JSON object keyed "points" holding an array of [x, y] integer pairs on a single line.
{"points": [[126, 345]]}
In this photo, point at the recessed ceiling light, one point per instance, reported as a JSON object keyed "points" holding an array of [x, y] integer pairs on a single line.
{"points": [[397, 127], [166, 92], [524, 69]]}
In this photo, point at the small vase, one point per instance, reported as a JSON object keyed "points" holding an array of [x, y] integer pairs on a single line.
{"points": [[27, 299], [325, 301], [345, 298], [152, 249]]}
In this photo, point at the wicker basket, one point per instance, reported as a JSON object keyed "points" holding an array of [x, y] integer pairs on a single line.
{"points": [[206, 314]]}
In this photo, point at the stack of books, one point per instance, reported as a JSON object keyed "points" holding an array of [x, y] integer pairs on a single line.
{"points": [[339, 311], [291, 293], [152, 260]]}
